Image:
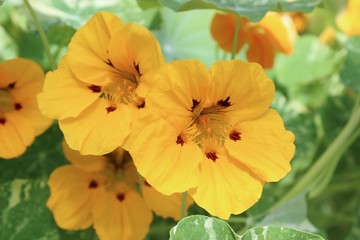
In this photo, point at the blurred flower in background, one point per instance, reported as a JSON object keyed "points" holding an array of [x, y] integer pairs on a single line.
{"points": [[20, 119], [348, 21], [103, 191]]}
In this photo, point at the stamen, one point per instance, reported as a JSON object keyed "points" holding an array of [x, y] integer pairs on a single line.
{"points": [[235, 135], [212, 156], [95, 88], [93, 184], [120, 197], [180, 140], [224, 103]]}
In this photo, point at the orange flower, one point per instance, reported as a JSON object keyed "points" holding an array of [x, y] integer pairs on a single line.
{"points": [[101, 191], [264, 38], [348, 21], [98, 88], [20, 119]]}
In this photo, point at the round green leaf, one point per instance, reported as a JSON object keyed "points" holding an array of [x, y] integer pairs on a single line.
{"points": [[199, 227], [350, 73], [278, 233]]}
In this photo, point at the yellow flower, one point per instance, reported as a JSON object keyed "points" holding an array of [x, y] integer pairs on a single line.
{"points": [[101, 191], [98, 87], [348, 21], [20, 119], [264, 38], [215, 136]]}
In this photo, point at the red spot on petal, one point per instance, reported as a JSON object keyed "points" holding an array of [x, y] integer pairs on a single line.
{"points": [[17, 106], [224, 103], [141, 105], [147, 184], [212, 156], [235, 135], [180, 140], [2, 121], [120, 197], [95, 88], [12, 85], [195, 103], [93, 184], [110, 109]]}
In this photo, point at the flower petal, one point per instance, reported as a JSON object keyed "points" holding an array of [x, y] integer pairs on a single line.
{"points": [[134, 49], [348, 20], [265, 147], [121, 214], [276, 30], [177, 84], [162, 205], [73, 193], [225, 187], [250, 90], [167, 166], [15, 135], [223, 31], [87, 54], [261, 49], [87, 163], [99, 129], [63, 95]]}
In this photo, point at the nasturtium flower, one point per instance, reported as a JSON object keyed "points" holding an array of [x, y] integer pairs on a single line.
{"points": [[214, 135], [264, 38], [102, 191], [98, 87], [348, 21], [20, 119]]}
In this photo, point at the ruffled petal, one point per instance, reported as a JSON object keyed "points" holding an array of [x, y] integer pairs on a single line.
{"points": [[276, 30], [73, 193], [168, 166], [249, 90], [88, 49], [99, 129], [135, 50], [87, 163], [225, 187], [121, 214], [162, 205], [16, 134], [265, 147], [177, 84], [223, 31], [261, 49], [63, 95]]}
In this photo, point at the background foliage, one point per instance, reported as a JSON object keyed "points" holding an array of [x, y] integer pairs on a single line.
{"points": [[317, 92]]}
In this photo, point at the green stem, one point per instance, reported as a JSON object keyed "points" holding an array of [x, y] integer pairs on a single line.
{"points": [[40, 29], [236, 38], [336, 148], [184, 204]]}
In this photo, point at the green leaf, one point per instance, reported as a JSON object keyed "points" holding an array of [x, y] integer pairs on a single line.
{"points": [[23, 212], [187, 36], [278, 233], [199, 227], [39, 160], [60, 34], [253, 10], [309, 74], [350, 73], [146, 4]]}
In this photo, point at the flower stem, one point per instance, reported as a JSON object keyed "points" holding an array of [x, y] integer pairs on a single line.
{"points": [[40, 29], [236, 38], [184, 204], [331, 156]]}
